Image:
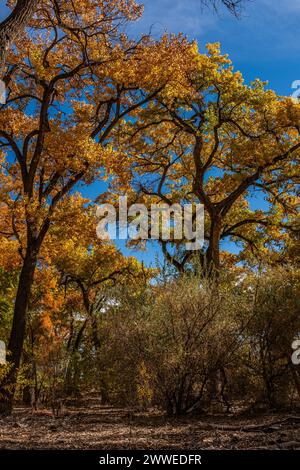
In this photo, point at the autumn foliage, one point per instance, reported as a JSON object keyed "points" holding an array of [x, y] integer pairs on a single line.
{"points": [[162, 122]]}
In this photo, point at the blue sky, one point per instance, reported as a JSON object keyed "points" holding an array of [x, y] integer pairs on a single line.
{"points": [[263, 43]]}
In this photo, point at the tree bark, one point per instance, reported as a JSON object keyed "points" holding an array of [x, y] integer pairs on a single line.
{"points": [[213, 251], [14, 24], [16, 341]]}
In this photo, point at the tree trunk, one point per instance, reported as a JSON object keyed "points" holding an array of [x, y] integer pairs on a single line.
{"points": [[26, 394], [213, 251], [14, 24], [296, 377], [95, 334], [70, 385], [15, 345], [26, 399]]}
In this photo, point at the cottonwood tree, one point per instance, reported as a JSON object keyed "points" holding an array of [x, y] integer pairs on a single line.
{"points": [[216, 142], [23, 11], [69, 296], [91, 266], [14, 24], [71, 80], [91, 269]]}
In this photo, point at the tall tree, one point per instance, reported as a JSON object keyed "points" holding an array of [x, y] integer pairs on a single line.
{"points": [[71, 80], [215, 142]]}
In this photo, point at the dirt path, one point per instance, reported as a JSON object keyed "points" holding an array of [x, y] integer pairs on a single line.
{"points": [[107, 428]]}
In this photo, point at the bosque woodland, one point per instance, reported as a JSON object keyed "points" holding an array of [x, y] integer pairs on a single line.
{"points": [[197, 344]]}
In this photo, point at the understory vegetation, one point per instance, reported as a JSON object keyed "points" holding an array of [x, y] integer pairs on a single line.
{"points": [[182, 345]]}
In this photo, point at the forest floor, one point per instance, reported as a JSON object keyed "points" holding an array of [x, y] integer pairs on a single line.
{"points": [[109, 428]]}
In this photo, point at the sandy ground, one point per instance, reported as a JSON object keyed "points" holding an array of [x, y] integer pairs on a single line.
{"points": [[109, 428]]}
